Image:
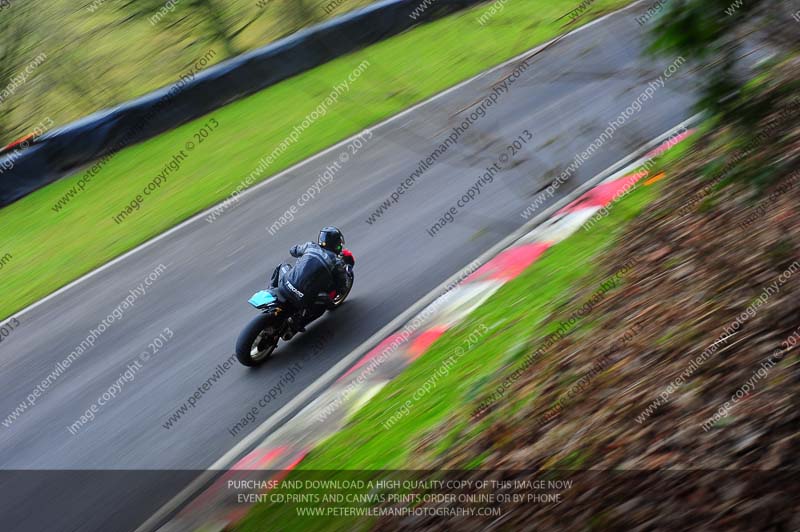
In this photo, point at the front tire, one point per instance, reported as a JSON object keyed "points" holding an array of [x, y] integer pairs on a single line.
{"points": [[338, 301], [257, 341]]}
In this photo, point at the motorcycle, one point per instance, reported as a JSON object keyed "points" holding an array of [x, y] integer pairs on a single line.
{"points": [[278, 321]]}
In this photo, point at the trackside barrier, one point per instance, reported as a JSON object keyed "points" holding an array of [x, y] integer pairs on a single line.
{"points": [[105, 132]]}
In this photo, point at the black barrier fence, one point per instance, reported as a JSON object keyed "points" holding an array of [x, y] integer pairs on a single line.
{"points": [[195, 94]]}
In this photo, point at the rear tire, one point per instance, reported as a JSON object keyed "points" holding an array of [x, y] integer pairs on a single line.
{"points": [[255, 343]]}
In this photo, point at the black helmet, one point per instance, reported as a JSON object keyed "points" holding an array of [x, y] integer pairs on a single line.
{"points": [[331, 239]]}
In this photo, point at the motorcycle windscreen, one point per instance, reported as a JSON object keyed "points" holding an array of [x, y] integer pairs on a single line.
{"points": [[262, 299]]}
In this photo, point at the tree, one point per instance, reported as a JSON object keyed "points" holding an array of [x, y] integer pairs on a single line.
{"points": [[293, 15], [16, 29], [719, 34], [220, 22]]}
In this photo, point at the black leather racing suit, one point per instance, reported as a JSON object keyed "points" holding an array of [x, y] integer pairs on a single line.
{"points": [[317, 270]]}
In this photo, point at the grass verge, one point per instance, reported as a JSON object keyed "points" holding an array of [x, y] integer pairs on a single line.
{"points": [[50, 248]]}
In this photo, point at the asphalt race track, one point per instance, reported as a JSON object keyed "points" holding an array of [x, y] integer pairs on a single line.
{"points": [[565, 99]]}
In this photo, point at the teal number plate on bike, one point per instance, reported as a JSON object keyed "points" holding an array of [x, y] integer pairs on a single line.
{"points": [[262, 298]]}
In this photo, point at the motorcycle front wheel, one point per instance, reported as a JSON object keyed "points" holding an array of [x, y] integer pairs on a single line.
{"points": [[339, 299], [258, 340]]}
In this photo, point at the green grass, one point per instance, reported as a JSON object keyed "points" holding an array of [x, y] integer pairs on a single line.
{"points": [[517, 317], [50, 249]]}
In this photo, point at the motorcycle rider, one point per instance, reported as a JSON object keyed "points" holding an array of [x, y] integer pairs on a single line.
{"points": [[318, 271]]}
